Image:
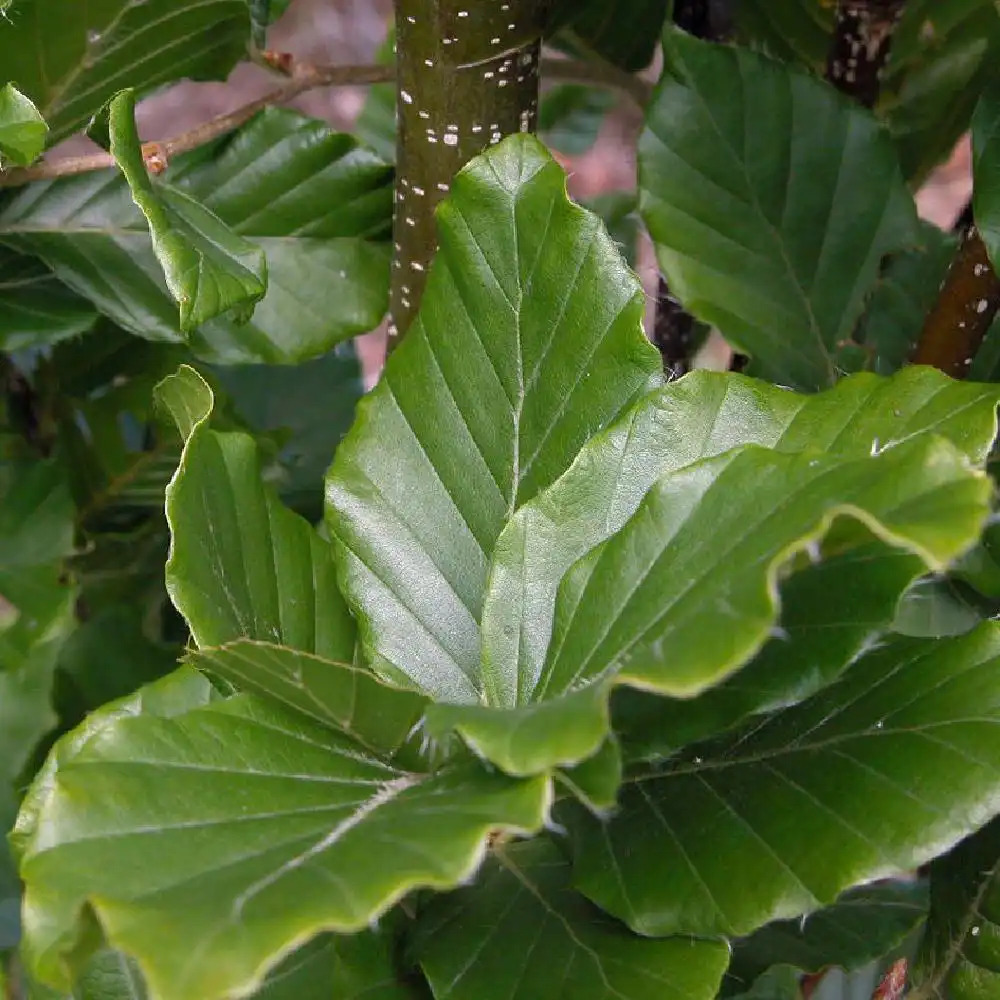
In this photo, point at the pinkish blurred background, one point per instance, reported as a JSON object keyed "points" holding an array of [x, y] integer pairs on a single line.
{"points": [[350, 31]]}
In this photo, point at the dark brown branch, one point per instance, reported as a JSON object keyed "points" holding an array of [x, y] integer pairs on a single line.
{"points": [[860, 48], [302, 77], [964, 311]]}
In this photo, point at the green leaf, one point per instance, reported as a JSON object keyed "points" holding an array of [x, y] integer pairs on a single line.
{"points": [[376, 122], [773, 233], [528, 341], [338, 695], [290, 828], [874, 775], [795, 31], [863, 925], [624, 32], [36, 308], [312, 403], [959, 957], [570, 117], [241, 564], [327, 273], [699, 416], [210, 270], [905, 292], [22, 128], [71, 59], [712, 540], [522, 931], [779, 983], [986, 170], [943, 54]]}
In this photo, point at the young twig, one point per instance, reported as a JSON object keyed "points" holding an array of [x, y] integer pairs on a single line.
{"points": [[302, 77], [964, 311]]}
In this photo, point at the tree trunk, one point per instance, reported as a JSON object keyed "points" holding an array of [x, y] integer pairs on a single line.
{"points": [[467, 75]]}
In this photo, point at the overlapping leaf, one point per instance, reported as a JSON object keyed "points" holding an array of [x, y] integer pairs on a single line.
{"points": [[829, 609], [796, 31], [241, 564], [771, 201], [333, 694], [942, 56], [209, 269], [327, 272], [958, 957], [986, 167], [624, 33], [528, 341], [35, 306], [863, 925], [875, 775], [291, 829], [523, 931], [99, 48], [22, 128]]}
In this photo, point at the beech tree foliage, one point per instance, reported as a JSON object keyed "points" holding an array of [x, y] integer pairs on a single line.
{"points": [[536, 670]]}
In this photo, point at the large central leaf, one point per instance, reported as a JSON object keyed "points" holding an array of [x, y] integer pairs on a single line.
{"points": [[772, 202], [71, 57], [528, 341], [327, 272]]}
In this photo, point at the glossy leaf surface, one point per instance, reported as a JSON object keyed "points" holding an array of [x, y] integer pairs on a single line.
{"points": [[774, 234], [877, 774], [527, 342], [291, 828]]}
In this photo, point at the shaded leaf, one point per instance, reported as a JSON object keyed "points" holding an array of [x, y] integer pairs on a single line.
{"points": [[312, 403], [327, 273], [209, 269], [71, 72], [22, 128], [291, 828], [906, 290], [241, 564], [986, 170], [874, 775], [626, 33], [863, 925], [733, 210], [36, 308], [523, 932], [942, 56], [570, 117], [528, 341], [795, 31], [959, 957], [337, 695]]}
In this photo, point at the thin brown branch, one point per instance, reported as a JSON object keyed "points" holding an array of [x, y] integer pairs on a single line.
{"points": [[964, 311], [302, 77]]}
